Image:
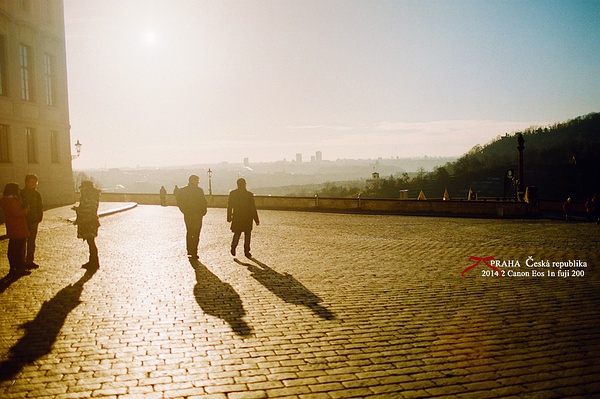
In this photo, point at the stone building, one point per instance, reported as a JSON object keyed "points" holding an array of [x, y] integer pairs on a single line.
{"points": [[34, 112]]}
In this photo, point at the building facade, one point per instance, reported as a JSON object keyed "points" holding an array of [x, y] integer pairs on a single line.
{"points": [[34, 111]]}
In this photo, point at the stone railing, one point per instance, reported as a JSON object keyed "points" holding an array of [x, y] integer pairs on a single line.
{"points": [[438, 207]]}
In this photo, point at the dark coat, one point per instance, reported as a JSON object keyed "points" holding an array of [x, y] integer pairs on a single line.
{"points": [[87, 214], [33, 199], [241, 210], [191, 201]]}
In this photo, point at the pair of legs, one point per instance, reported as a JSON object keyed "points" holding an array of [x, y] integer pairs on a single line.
{"points": [[94, 261], [236, 240], [193, 225], [16, 254], [30, 253]]}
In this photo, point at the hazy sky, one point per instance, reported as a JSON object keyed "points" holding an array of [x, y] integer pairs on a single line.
{"points": [[175, 82]]}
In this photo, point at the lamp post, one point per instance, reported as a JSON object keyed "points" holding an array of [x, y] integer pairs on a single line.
{"points": [[77, 149], [209, 173], [521, 181]]}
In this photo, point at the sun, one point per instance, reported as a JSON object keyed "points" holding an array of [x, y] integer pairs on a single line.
{"points": [[149, 37]]}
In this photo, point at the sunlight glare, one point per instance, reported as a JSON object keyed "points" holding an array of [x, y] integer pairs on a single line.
{"points": [[150, 37]]}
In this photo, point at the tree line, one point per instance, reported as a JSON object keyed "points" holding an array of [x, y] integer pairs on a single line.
{"points": [[561, 160]]}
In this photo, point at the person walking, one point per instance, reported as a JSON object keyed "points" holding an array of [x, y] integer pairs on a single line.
{"points": [[32, 199], [568, 209], [595, 209], [241, 212], [193, 205], [163, 196], [16, 229], [87, 220]]}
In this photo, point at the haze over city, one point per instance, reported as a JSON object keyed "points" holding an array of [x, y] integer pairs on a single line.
{"points": [[167, 83]]}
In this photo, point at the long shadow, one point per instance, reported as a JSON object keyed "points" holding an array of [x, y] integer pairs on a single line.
{"points": [[286, 287], [41, 332], [8, 280], [219, 299]]}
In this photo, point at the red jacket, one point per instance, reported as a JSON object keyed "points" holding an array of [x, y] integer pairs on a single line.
{"points": [[14, 217], [568, 207]]}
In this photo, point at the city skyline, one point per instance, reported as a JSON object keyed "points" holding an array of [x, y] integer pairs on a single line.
{"points": [[157, 83]]}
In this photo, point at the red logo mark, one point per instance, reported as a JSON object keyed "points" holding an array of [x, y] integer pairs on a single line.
{"points": [[479, 260]]}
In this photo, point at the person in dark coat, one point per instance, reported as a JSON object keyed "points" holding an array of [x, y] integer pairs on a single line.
{"points": [[241, 212], [568, 209], [87, 220], [594, 210], [192, 203], [163, 196], [32, 199], [16, 228]]}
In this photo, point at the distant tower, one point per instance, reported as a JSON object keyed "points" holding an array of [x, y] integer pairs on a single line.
{"points": [[319, 156], [299, 158], [246, 162]]}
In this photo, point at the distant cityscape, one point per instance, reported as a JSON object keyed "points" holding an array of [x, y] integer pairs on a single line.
{"points": [[264, 178]]}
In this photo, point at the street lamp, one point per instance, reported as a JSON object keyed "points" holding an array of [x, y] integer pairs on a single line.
{"points": [[209, 173], [520, 178], [78, 149]]}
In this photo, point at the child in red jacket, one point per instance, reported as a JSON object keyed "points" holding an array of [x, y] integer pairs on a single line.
{"points": [[16, 228]]}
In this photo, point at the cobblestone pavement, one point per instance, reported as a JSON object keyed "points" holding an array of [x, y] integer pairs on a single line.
{"points": [[332, 306]]}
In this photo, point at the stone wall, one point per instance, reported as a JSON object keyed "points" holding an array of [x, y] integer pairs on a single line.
{"points": [[494, 209]]}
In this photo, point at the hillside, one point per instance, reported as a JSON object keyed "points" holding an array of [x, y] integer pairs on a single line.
{"points": [[561, 160]]}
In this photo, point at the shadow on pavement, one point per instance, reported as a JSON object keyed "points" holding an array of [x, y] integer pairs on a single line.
{"points": [[219, 299], [8, 280], [286, 287], [41, 332]]}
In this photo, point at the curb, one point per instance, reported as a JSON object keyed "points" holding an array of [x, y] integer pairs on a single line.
{"points": [[107, 212]]}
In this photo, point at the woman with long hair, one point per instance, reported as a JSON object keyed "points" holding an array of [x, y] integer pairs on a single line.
{"points": [[16, 228], [87, 220]]}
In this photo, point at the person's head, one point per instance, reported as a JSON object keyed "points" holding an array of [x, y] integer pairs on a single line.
{"points": [[241, 183], [11, 189], [87, 188], [87, 185], [31, 180], [194, 180]]}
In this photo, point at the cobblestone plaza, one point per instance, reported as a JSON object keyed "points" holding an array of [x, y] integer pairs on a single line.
{"points": [[331, 306]]}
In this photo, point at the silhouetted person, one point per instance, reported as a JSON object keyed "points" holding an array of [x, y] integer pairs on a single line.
{"points": [[591, 208], [588, 209], [87, 220], [568, 209], [241, 212], [32, 199], [16, 228], [163, 196], [192, 203]]}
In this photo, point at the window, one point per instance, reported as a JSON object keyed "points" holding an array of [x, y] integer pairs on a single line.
{"points": [[25, 60], [4, 144], [49, 77], [54, 140], [3, 80], [31, 145]]}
